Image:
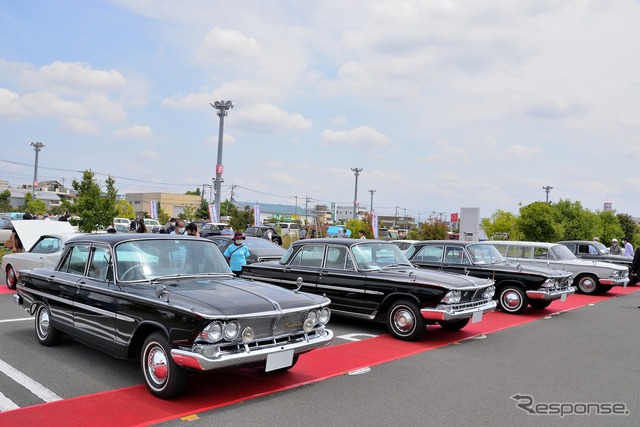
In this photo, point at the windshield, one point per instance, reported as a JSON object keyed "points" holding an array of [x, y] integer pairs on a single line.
{"points": [[372, 256], [601, 247], [484, 254], [561, 252], [152, 259]]}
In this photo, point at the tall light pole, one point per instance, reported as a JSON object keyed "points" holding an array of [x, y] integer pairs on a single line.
{"points": [[546, 189], [356, 171], [371, 192], [222, 107], [37, 146]]}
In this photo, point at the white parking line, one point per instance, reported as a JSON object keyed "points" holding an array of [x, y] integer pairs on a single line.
{"points": [[352, 337], [30, 384], [6, 404], [16, 320]]}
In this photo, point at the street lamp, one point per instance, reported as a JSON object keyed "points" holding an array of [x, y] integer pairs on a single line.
{"points": [[371, 208], [37, 146], [547, 189], [356, 171], [222, 107]]}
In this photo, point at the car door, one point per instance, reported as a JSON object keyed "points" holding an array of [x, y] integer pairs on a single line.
{"points": [[96, 303], [341, 282], [47, 250], [305, 264]]}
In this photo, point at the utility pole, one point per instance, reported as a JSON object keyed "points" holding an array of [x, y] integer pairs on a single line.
{"points": [[356, 171], [547, 189], [371, 207], [37, 146], [306, 209], [222, 107]]}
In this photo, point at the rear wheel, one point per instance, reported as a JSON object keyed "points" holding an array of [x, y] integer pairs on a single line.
{"points": [[513, 299], [455, 325], [405, 321], [163, 376], [587, 284], [47, 334], [12, 279], [539, 305]]}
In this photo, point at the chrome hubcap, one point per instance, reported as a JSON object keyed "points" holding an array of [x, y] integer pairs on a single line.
{"points": [[43, 322], [157, 365], [511, 300], [588, 285], [403, 319]]}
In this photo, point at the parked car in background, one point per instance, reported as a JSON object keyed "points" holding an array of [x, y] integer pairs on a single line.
{"points": [[373, 280], [387, 234], [589, 277], [153, 226], [5, 230], [126, 222], [291, 228], [261, 231], [260, 249], [588, 249], [172, 303], [404, 244], [517, 286], [121, 228], [212, 229], [43, 242]]}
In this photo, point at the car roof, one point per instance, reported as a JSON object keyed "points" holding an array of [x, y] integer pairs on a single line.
{"points": [[114, 238], [522, 243]]}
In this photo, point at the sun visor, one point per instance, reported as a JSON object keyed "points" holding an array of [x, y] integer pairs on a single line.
{"points": [[30, 230]]}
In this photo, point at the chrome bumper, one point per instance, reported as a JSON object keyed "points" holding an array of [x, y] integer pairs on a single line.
{"points": [[457, 311], [200, 362], [550, 294], [615, 282]]}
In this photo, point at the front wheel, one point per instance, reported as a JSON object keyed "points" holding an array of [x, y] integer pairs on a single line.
{"points": [[163, 377], [47, 334], [539, 305], [588, 284], [12, 279], [513, 299], [405, 321], [455, 325]]}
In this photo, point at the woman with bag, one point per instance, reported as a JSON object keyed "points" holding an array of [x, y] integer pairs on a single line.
{"points": [[236, 254]]}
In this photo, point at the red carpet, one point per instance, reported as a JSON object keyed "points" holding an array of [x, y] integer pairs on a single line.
{"points": [[220, 389]]}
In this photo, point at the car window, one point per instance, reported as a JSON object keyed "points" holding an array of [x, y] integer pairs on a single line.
{"points": [[76, 259], [429, 254], [99, 266], [309, 256], [561, 252], [540, 253], [46, 245], [338, 258], [455, 255], [585, 249]]}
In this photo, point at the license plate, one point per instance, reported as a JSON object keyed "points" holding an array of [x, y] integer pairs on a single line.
{"points": [[476, 317], [563, 297], [281, 359]]}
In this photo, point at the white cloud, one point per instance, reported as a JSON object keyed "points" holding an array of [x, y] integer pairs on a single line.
{"points": [[271, 119], [136, 132], [362, 137]]}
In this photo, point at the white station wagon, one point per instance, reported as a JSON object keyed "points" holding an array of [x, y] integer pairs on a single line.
{"points": [[590, 277]]}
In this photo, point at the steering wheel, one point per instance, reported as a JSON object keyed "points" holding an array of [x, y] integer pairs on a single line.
{"points": [[130, 272]]}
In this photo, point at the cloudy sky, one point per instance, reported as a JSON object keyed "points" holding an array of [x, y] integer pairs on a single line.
{"points": [[443, 104]]}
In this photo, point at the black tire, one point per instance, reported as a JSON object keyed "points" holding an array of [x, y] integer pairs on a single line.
{"points": [[12, 280], [605, 288], [587, 284], [513, 299], [539, 305], [455, 325], [405, 321], [47, 334], [286, 368], [163, 377]]}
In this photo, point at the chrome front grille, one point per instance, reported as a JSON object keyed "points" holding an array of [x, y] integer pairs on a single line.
{"points": [[267, 327]]}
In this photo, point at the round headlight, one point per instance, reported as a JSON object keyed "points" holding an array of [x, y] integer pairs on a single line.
{"points": [[489, 292], [213, 331], [313, 316], [247, 335], [231, 330], [308, 325], [452, 297], [324, 316]]}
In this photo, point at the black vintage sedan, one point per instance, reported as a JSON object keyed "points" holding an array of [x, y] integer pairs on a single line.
{"points": [[171, 302], [373, 280], [516, 286]]}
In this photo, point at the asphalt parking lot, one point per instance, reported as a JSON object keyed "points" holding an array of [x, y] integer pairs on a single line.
{"points": [[584, 356]]}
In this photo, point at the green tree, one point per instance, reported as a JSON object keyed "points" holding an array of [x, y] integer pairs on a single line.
{"points": [[538, 222], [163, 216], [5, 201], [577, 223], [203, 210], [193, 193], [125, 210], [188, 212], [609, 227], [629, 227], [355, 225], [434, 230], [240, 218], [94, 209], [502, 225], [33, 206]]}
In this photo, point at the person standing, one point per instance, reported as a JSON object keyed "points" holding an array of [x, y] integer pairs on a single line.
{"points": [[615, 249], [628, 248], [237, 253], [180, 227], [227, 230], [172, 226], [142, 227], [361, 233], [192, 229], [269, 235]]}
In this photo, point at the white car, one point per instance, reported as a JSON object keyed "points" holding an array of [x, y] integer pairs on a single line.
{"points": [[45, 240]]}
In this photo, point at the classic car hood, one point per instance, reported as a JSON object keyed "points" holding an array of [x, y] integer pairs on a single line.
{"points": [[232, 296], [591, 262], [447, 280], [30, 231]]}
